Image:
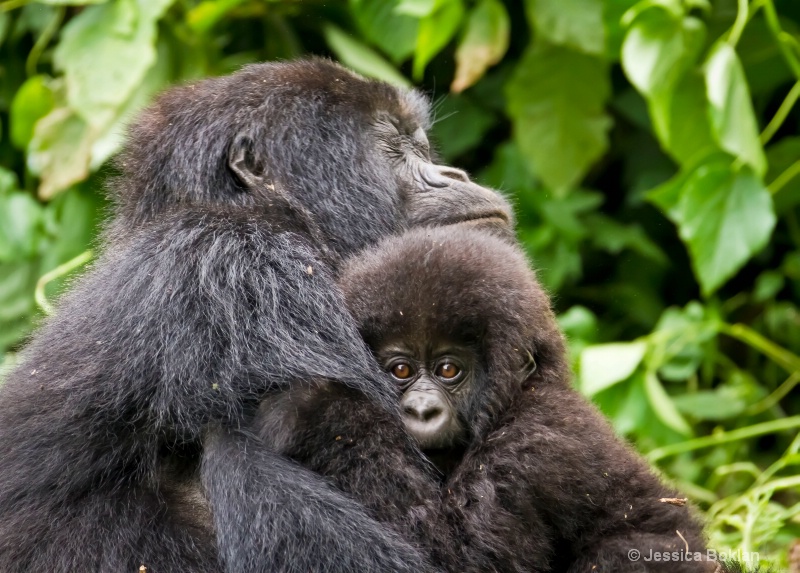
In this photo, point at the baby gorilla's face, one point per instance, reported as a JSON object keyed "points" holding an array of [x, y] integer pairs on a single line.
{"points": [[436, 379]]}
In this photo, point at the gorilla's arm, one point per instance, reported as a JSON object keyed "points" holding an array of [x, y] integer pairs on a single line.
{"points": [[366, 452], [183, 326], [273, 515], [557, 456]]}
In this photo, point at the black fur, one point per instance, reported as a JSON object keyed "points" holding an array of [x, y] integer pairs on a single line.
{"points": [[121, 432], [544, 484]]}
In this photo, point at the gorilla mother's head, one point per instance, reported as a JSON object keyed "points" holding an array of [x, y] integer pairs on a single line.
{"points": [[352, 152]]}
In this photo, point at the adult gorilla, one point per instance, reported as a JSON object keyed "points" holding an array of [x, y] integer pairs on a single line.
{"points": [[208, 296]]}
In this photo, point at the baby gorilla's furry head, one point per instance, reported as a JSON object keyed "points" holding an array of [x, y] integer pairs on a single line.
{"points": [[473, 296]]}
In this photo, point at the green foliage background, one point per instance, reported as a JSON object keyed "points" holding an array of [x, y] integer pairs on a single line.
{"points": [[652, 148]]}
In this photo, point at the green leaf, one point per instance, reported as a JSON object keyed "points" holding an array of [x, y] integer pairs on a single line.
{"points": [[574, 23], [205, 15], [20, 226], [604, 365], [33, 100], [731, 109], [8, 181], [681, 340], [724, 216], [416, 8], [435, 31], [768, 284], [663, 405], [711, 405], [556, 100], [378, 21], [111, 139], [483, 45], [615, 30], [59, 151], [462, 126], [70, 2], [105, 52], [614, 237], [361, 58], [683, 123], [659, 48]]}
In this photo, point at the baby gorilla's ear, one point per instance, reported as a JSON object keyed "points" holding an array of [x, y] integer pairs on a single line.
{"points": [[528, 369]]}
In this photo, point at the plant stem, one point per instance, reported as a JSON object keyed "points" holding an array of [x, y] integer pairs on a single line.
{"points": [[789, 173], [742, 15], [787, 360], [780, 115], [725, 438], [59, 271], [781, 37]]}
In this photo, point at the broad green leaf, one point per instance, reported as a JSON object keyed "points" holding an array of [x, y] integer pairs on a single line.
{"points": [[20, 222], [663, 405], [70, 2], [105, 52], [59, 151], [17, 280], [361, 58], [33, 101], [659, 48], [711, 405], [435, 31], [724, 216], [395, 34], [615, 30], [680, 341], [462, 126], [574, 23], [768, 284], [416, 8], [110, 141], [483, 45], [74, 217], [206, 14], [8, 181], [580, 327], [556, 100], [683, 123], [604, 365], [731, 109], [614, 237]]}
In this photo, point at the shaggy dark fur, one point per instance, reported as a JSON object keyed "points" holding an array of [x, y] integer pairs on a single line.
{"points": [[206, 298], [544, 484]]}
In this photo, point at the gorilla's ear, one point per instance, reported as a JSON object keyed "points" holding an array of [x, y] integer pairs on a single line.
{"points": [[528, 370], [244, 163]]}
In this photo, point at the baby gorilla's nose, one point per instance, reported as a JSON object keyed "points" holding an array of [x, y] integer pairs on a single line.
{"points": [[423, 408], [426, 418]]}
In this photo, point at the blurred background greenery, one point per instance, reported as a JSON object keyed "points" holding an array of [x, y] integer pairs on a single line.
{"points": [[652, 149]]}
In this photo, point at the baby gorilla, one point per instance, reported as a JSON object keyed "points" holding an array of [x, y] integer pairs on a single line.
{"points": [[532, 478]]}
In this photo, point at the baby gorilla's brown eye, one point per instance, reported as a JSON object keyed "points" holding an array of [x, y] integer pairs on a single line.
{"points": [[448, 370], [401, 371]]}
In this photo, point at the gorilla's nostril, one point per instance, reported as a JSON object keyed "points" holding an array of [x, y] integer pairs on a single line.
{"points": [[422, 411], [428, 414]]}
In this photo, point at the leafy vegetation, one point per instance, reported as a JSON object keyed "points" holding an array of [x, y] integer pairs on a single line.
{"points": [[652, 148]]}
